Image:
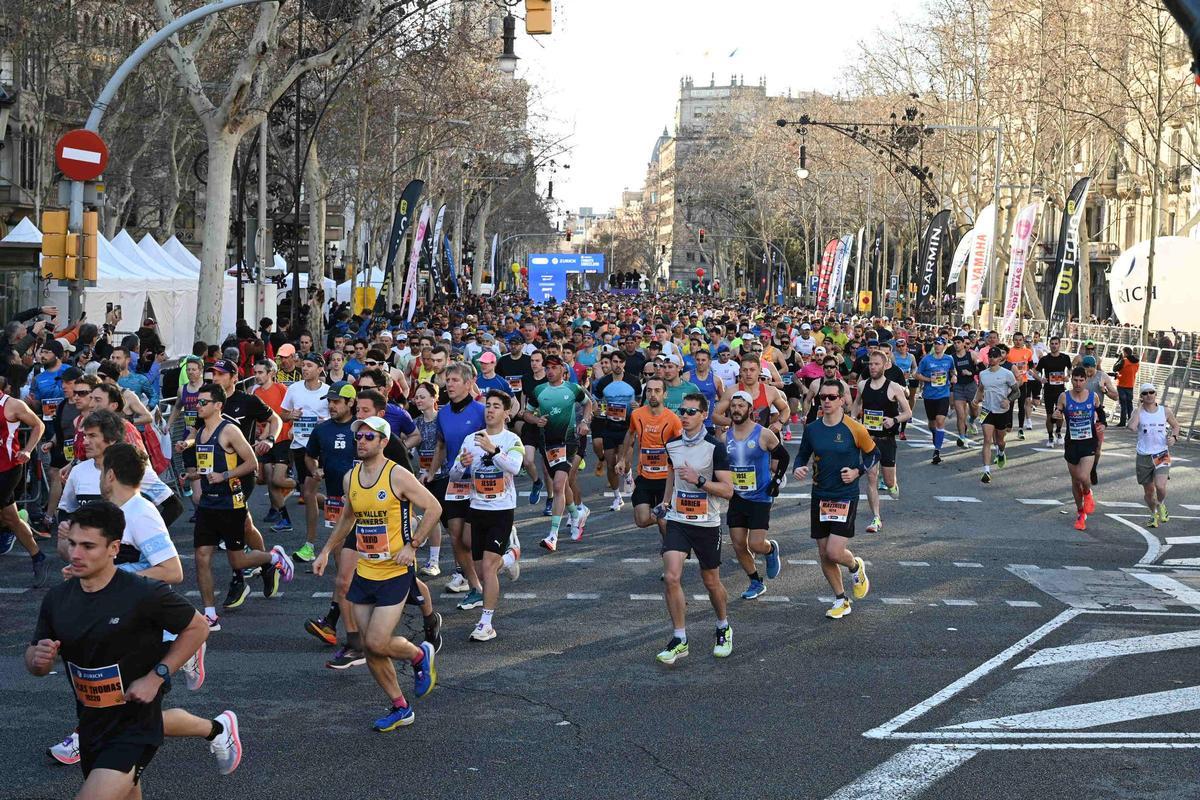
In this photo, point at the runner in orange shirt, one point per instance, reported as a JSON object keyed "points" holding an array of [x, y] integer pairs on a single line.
{"points": [[651, 426], [1020, 361]]}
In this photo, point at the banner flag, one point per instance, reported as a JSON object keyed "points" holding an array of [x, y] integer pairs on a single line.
{"points": [[824, 275], [414, 257], [453, 287], [1064, 297], [400, 223], [931, 259], [492, 268], [435, 265], [978, 260], [840, 264], [1022, 235]]}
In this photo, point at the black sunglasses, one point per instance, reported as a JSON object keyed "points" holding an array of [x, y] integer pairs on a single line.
{"points": [[690, 412], [830, 397], [203, 402]]}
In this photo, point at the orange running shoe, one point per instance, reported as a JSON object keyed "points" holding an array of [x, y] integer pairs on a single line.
{"points": [[1089, 503], [1081, 522]]}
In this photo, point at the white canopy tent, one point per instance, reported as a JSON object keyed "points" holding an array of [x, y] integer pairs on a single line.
{"points": [[25, 232], [229, 310], [174, 301], [371, 277]]}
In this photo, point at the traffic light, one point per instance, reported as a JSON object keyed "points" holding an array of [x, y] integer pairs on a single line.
{"points": [[538, 17], [91, 235], [54, 244], [702, 236]]}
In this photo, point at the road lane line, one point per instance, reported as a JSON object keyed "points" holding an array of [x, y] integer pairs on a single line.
{"points": [[908, 774], [1155, 643], [1024, 603], [1092, 715]]}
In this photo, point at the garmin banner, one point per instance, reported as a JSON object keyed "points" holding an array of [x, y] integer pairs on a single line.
{"points": [[1064, 298], [400, 224], [931, 258]]}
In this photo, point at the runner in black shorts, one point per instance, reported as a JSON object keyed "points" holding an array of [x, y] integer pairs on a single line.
{"points": [[1054, 369]]}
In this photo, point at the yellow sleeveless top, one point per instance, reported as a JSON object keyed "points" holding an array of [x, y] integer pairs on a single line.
{"points": [[381, 524]]}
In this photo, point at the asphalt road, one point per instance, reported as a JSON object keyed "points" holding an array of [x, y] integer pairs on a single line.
{"points": [[924, 690]]}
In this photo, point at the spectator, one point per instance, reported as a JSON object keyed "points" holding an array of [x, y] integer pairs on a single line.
{"points": [[1126, 371]]}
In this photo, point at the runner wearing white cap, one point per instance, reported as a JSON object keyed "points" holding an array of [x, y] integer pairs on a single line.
{"points": [[1157, 428]]}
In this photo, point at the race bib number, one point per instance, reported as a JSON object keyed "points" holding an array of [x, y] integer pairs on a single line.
{"points": [[205, 457], [787, 378], [514, 383], [49, 409], [556, 455], [938, 378], [304, 426], [190, 418], [1057, 378], [834, 510], [458, 490], [1079, 429], [489, 486], [333, 510], [69, 451], [97, 687], [425, 462], [654, 461], [615, 411], [1161, 460], [873, 420], [371, 541], [745, 479], [692, 506]]}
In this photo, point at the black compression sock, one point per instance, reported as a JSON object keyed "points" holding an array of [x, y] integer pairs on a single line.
{"points": [[429, 620], [841, 596], [754, 576], [217, 730], [333, 615], [354, 639], [854, 568]]}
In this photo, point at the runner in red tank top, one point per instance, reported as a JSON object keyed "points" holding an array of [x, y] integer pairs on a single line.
{"points": [[13, 458], [770, 406]]}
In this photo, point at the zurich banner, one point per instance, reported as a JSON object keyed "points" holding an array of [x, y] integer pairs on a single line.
{"points": [[548, 273]]}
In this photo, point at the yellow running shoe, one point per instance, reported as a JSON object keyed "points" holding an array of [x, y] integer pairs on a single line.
{"points": [[839, 609], [1162, 513], [862, 584]]}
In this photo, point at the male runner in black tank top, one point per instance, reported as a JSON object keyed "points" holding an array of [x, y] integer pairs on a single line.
{"points": [[882, 405]]}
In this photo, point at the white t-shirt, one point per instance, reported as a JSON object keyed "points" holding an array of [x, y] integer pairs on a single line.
{"points": [[805, 346], [493, 488], [83, 487], [146, 533], [313, 408], [727, 372]]}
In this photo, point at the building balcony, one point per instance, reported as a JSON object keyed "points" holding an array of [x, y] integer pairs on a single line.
{"points": [[1129, 186], [1179, 179]]}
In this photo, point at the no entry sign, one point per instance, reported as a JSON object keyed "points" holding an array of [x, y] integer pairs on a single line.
{"points": [[81, 155]]}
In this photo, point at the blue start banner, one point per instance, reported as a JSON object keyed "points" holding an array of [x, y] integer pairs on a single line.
{"points": [[548, 273]]}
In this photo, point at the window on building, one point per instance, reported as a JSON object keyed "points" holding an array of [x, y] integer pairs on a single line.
{"points": [[29, 148], [7, 64], [688, 255]]}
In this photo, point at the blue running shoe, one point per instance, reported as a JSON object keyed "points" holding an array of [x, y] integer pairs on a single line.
{"points": [[773, 561], [272, 514], [535, 492], [425, 673], [753, 590], [7, 540], [549, 510], [395, 718], [282, 524]]}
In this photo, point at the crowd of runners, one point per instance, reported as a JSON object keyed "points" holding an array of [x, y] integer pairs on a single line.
{"points": [[695, 412]]}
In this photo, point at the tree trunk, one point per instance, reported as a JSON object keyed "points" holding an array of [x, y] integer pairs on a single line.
{"points": [[314, 188], [222, 149], [481, 220], [352, 261]]}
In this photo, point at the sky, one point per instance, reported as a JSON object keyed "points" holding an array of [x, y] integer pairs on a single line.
{"points": [[608, 76]]}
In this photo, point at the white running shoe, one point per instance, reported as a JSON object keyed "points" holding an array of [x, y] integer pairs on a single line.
{"points": [[617, 504], [514, 547], [483, 633], [227, 747], [193, 668], [627, 484], [458, 584], [580, 523], [431, 569], [66, 751]]}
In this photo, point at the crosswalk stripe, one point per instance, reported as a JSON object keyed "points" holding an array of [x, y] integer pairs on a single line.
{"points": [[775, 598], [802, 562], [951, 602], [898, 601], [1183, 540], [913, 563], [1078, 569], [520, 596], [1182, 562], [195, 593], [635, 561], [970, 564], [1024, 603], [1023, 566], [1120, 503], [1039, 501], [948, 499]]}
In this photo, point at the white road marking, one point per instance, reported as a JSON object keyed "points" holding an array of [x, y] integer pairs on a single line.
{"points": [[1120, 503], [1091, 715], [775, 598], [1183, 540], [1039, 501], [1153, 545], [1174, 588], [1182, 562], [889, 728], [897, 601], [195, 593], [580, 560], [645, 597], [952, 499], [1023, 566], [1079, 569], [913, 563], [908, 774], [803, 562], [951, 602], [582, 596], [1189, 506], [1024, 603], [322, 594], [635, 561], [968, 564], [14, 590], [520, 596], [1110, 648]]}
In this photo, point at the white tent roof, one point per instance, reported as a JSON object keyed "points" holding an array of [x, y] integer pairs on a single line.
{"points": [[153, 268], [25, 232], [154, 251], [177, 251], [372, 277]]}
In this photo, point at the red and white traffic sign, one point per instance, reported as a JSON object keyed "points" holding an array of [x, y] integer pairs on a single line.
{"points": [[81, 155]]}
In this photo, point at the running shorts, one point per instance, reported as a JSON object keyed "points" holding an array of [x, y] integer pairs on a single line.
{"points": [[390, 592], [938, 408], [1074, 452], [749, 514], [648, 491], [569, 447], [832, 526], [490, 531], [216, 525], [302, 473], [280, 453], [1147, 470], [118, 756], [962, 393], [1000, 420], [1050, 394], [705, 542], [886, 445], [10, 481]]}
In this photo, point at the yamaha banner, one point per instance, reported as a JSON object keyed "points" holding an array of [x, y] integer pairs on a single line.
{"points": [[931, 259], [1064, 297], [825, 274], [400, 224]]}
